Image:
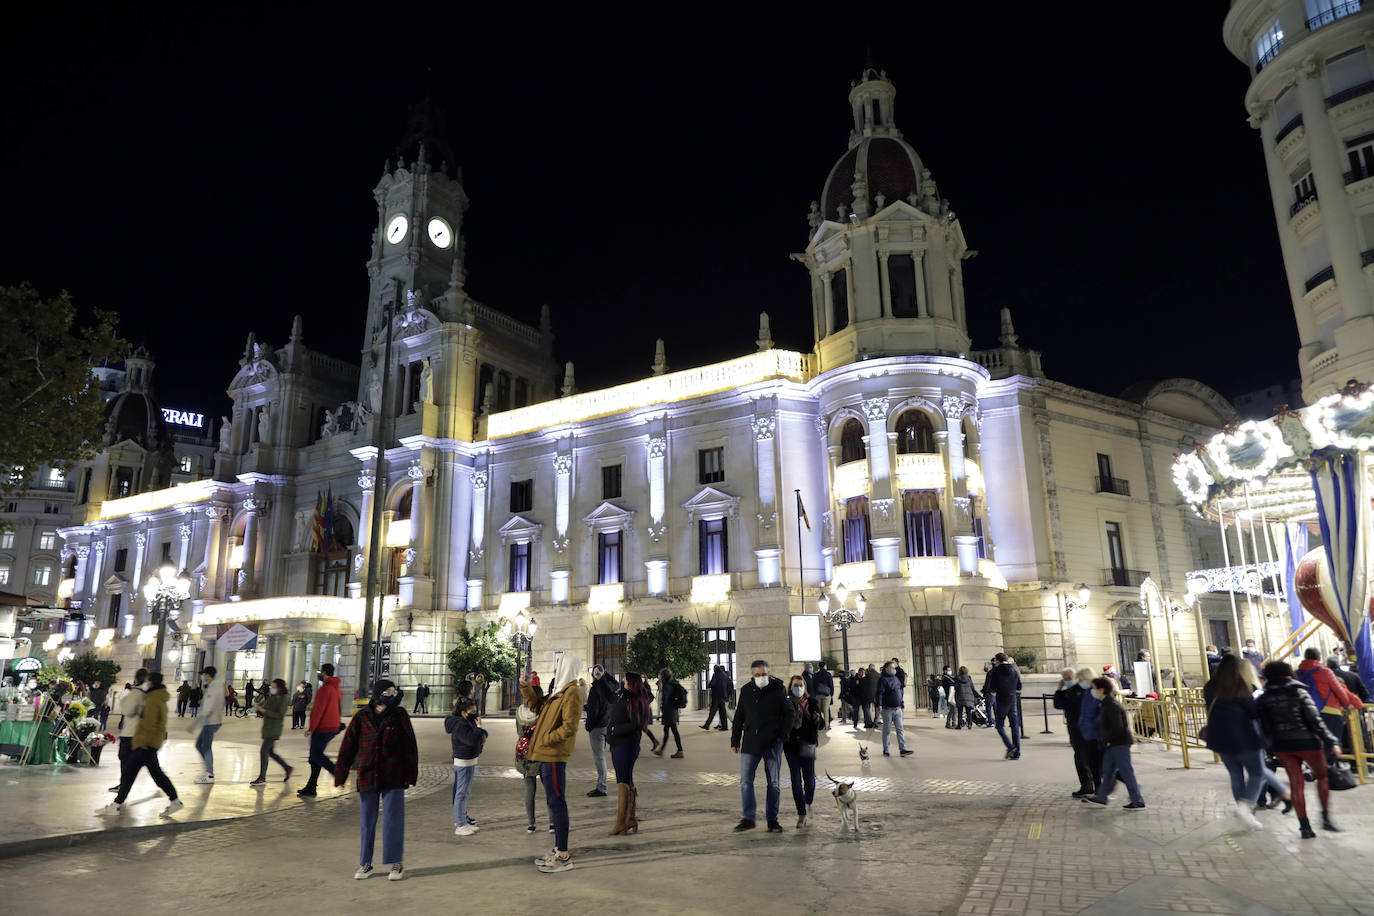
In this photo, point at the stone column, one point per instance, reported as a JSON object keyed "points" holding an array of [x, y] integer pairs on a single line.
{"points": [[1281, 191], [271, 659], [295, 661], [922, 306], [656, 458], [213, 551], [184, 530], [136, 585], [885, 284], [254, 508], [419, 519], [476, 552]]}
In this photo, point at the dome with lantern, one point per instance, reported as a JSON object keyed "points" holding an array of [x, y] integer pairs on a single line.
{"points": [[879, 164]]}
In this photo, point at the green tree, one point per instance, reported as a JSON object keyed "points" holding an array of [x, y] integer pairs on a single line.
{"points": [[674, 644], [483, 652], [50, 404], [86, 667]]}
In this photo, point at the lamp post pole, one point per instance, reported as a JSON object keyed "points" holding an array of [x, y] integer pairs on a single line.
{"points": [[374, 546], [520, 632], [165, 590], [841, 617]]}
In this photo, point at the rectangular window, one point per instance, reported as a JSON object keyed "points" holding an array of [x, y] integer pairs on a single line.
{"points": [[52, 508], [978, 527], [56, 477], [4, 575], [932, 647], [112, 615], [925, 529], [47, 540], [1104, 466], [394, 567], [902, 280], [522, 392], [1221, 633], [1116, 555], [720, 650], [330, 574], [1268, 45], [711, 465], [1325, 12], [42, 575], [839, 300], [12, 506], [7, 540], [166, 551], [854, 530], [712, 547], [520, 567], [608, 557], [1359, 153], [608, 651], [121, 559], [185, 463], [610, 481], [521, 495]]}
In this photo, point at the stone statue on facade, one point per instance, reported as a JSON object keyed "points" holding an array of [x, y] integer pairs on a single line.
{"points": [[330, 425], [264, 421], [226, 434], [427, 383], [374, 389]]}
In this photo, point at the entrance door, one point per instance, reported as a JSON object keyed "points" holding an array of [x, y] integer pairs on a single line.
{"points": [[1128, 646], [932, 647], [720, 650], [1221, 633]]}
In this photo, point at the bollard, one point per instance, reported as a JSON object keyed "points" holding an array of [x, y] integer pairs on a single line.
{"points": [[1045, 708]]}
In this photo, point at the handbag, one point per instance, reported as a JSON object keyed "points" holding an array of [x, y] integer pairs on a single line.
{"points": [[522, 744], [1339, 777], [806, 751]]}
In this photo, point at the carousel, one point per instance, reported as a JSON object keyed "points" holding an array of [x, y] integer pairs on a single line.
{"points": [[1276, 487]]}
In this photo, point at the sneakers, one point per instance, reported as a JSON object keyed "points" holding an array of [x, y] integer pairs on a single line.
{"points": [[173, 807], [744, 824], [801, 821], [1247, 817], [597, 793], [547, 857], [1133, 806], [556, 864], [551, 830], [465, 830], [886, 754], [114, 788], [207, 780], [257, 783], [908, 752], [364, 871], [774, 827], [1093, 799], [307, 792], [677, 756], [398, 873], [704, 728], [1083, 793], [111, 808], [530, 829], [658, 751], [472, 821]]}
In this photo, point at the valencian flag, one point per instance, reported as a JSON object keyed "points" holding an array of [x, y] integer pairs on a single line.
{"points": [[801, 511], [328, 521], [317, 524]]}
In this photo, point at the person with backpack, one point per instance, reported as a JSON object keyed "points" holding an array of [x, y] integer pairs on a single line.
{"points": [[467, 737], [525, 715], [1329, 692], [629, 722], [672, 696]]}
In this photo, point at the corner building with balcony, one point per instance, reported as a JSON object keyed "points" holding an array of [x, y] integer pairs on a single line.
{"points": [[961, 491]]}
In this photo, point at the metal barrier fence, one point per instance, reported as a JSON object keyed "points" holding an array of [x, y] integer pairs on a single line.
{"points": [[1170, 721], [1358, 723]]}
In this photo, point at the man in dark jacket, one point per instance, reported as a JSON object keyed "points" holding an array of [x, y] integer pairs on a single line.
{"points": [[891, 701], [1069, 698], [722, 688], [1350, 678], [763, 718], [1004, 683], [900, 672], [600, 698], [870, 696], [823, 687]]}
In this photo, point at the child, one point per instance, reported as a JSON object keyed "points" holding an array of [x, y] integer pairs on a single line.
{"points": [[464, 727], [525, 716]]}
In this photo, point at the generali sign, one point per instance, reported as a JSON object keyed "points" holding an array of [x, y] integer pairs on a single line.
{"points": [[183, 417]]}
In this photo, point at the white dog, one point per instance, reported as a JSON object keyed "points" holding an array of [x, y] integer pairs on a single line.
{"points": [[847, 800]]}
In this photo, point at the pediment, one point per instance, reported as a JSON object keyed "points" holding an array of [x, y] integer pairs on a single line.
{"points": [[901, 211], [711, 503], [520, 529], [608, 517], [114, 583], [254, 371], [412, 321]]}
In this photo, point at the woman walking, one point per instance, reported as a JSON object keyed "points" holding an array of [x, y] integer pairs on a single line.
{"points": [[467, 737], [966, 697], [1233, 732], [1114, 731], [525, 715], [629, 723], [555, 735], [381, 742], [1295, 731], [933, 693], [272, 709], [800, 748], [668, 698]]}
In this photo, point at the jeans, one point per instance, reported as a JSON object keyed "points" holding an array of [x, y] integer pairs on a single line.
{"points": [[554, 777], [531, 783], [269, 749], [393, 804], [138, 759], [1083, 762], [623, 757], [462, 786], [318, 760], [1009, 709], [869, 715], [598, 742], [1249, 774], [772, 766], [204, 744], [718, 706], [802, 771], [1116, 761], [892, 720], [181, 706]]}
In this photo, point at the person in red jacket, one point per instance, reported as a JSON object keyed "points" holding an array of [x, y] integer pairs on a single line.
{"points": [[381, 741], [1329, 692], [324, 725]]}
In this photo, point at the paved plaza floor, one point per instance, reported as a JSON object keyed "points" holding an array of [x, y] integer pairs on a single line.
{"points": [[955, 829]]}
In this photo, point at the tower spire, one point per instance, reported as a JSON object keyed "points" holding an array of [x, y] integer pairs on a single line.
{"points": [[765, 339], [660, 365]]}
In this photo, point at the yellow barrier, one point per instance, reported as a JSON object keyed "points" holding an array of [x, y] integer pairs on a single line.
{"points": [[1358, 721], [1170, 722]]}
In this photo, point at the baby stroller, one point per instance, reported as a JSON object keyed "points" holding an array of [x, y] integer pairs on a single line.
{"points": [[978, 717]]}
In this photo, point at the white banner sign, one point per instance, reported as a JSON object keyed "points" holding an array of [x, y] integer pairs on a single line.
{"points": [[805, 637], [236, 637]]}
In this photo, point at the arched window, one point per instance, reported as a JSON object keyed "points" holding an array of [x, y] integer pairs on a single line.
{"points": [[852, 442], [915, 435]]}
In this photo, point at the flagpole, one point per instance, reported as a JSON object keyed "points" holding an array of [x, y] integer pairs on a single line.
{"points": [[801, 574]]}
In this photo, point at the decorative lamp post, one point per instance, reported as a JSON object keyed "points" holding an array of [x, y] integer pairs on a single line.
{"points": [[841, 617], [165, 591], [520, 632], [1079, 600]]}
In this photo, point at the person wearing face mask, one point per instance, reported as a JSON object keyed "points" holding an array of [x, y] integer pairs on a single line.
{"points": [[130, 708], [272, 709], [381, 742], [555, 736], [325, 723], [150, 735], [1069, 698], [209, 720], [764, 717], [800, 747], [300, 699], [891, 702], [1114, 733], [467, 736]]}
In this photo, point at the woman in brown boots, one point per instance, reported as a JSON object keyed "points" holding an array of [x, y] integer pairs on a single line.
{"points": [[629, 722]]}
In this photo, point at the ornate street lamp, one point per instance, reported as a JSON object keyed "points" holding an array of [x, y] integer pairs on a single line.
{"points": [[165, 591], [841, 617], [1079, 600], [520, 633]]}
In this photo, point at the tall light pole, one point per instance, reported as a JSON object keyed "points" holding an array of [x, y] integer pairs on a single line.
{"points": [[841, 617], [521, 635], [165, 591], [374, 545]]}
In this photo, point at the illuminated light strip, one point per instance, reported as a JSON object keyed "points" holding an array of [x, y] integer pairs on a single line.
{"points": [[300, 607], [605, 597], [195, 491], [660, 389], [1264, 435], [513, 603], [712, 589]]}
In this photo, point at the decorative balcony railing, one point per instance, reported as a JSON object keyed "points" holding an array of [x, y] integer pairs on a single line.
{"points": [[1123, 578], [1269, 55], [1320, 277], [1302, 204], [1359, 173], [1345, 95], [1338, 11], [851, 479], [920, 471], [1293, 124], [1113, 485]]}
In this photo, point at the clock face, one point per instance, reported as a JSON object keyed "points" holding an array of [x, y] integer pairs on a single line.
{"points": [[440, 233], [396, 229]]}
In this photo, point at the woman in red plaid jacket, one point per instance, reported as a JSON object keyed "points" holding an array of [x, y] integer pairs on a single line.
{"points": [[382, 744]]}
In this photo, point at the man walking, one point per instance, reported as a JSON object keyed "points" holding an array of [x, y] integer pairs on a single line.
{"points": [[763, 718], [150, 735], [870, 695], [823, 690], [1069, 698], [600, 698], [900, 672], [1004, 683], [890, 704], [130, 708], [183, 697], [421, 700], [1252, 655], [722, 688], [324, 725], [209, 720]]}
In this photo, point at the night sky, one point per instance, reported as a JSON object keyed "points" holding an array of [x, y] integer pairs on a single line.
{"points": [[209, 178]]}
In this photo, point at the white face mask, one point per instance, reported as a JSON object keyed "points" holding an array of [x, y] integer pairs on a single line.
{"points": [[760, 681], [1099, 694], [275, 691], [1085, 684]]}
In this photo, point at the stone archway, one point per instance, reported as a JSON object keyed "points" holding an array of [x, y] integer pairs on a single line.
{"points": [[1129, 634]]}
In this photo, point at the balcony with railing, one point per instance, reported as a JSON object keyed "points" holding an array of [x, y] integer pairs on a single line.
{"points": [[1345, 95], [1293, 124], [1359, 173], [1123, 578], [851, 479], [920, 471], [1320, 277], [1301, 204], [1269, 55], [1112, 485], [1337, 11]]}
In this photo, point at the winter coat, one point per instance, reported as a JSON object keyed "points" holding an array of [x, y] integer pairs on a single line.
{"points": [[299, 701], [763, 717], [947, 684], [99, 697], [152, 725], [870, 682], [1289, 718], [212, 705], [465, 736], [555, 731], [890, 692], [130, 708], [807, 728], [901, 676], [1232, 724], [1087, 716], [1328, 691], [721, 687], [600, 696], [964, 692], [184, 691], [933, 691], [824, 683], [273, 709], [1070, 699], [617, 734], [382, 745], [1113, 725], [1003, 681], [324, 714], [1352, 682], [667, 709]]}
